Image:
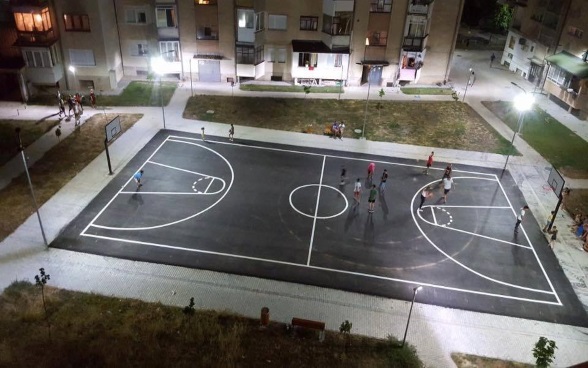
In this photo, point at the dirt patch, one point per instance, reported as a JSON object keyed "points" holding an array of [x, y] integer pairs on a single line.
{"points": [[439, 124], [95, 331], [30, 131], [475, 361], [55, 169]]}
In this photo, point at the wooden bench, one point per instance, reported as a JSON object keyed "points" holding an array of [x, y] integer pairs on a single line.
{"points": [[310, 325]]}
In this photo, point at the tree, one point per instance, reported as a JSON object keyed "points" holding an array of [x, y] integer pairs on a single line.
{"points": [[544, 352], [41, 280], [306, 90], [381, 93], [502, 17], [345, 330]]}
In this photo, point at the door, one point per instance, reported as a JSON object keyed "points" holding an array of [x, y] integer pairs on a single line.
{"points": [[372, 74], [209, 71]]}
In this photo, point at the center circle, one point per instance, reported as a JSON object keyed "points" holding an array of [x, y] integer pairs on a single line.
{"points": [[321, 186]]}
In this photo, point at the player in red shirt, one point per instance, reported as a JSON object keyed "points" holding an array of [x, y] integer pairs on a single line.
{"points": [[429, 163]]}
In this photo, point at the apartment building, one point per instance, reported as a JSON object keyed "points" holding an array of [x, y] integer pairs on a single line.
{"points": [[94, 43], [546, 45]]}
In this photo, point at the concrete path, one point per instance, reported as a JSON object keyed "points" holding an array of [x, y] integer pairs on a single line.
{"points": [[435, 331]]}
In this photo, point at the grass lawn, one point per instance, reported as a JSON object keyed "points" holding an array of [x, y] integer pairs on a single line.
{"points": [[555, 142], [577, 202], [55, 169], [473, 361], [31, 130], [437, 124], [426, 91], [278, 88], [89, 330], [137, 93]]}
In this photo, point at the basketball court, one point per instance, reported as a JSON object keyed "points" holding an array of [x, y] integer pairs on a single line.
{"points": [[282, 212]]}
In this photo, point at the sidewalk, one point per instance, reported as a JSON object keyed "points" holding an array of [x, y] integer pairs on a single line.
{"points": [[435, 331]]}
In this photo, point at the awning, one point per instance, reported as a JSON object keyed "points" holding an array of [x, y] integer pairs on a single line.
{"points": [[536, 60], [569, 63], [374, 62], [316, 47]]}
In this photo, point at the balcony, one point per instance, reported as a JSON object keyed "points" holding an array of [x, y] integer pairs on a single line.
{"points": [[27, 5], [413, 43], [168, 33], [205, 2], [46, 76], [44, 39], [419, 7]]}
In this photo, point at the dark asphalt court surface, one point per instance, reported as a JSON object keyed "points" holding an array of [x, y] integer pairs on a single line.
{"points": [[280, 212]]}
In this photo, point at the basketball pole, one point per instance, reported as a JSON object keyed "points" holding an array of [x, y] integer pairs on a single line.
{"points": [[555, 212]]}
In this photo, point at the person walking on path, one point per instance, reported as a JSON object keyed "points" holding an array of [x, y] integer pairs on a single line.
{"points": [[549, 221], [202, 133], [357, 190], [447, 173], [492, 57], [70, 104], [383, 181], [138, 175], [447, 183], [77, 113], [343, 175], [231, 132], [425, 194], [520, 218], [371, 169], [553, 233], [61, 106], [92, 98], [372, 199], [429, 163]]}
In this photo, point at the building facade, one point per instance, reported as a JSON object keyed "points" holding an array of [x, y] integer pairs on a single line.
{"points": [[546, 45], [94, 43]]}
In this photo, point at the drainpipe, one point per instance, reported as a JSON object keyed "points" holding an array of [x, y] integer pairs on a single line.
{"points": [[455, 32], [402, 35], [179, 41], [122, 65]]}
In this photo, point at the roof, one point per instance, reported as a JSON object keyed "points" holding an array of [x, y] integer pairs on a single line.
{"points": [[569, 63], [374, 62], [316, 47]]}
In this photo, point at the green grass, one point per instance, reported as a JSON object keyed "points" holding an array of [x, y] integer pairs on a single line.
{"points": [[89, 330], [30, 131], [137, 93], [560, 146], [445, 124], [426, 91], [277, 88]]}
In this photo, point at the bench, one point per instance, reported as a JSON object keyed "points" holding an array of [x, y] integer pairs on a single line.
{"points": [[310, 325]]}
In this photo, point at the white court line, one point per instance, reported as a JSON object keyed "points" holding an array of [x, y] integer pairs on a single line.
{"points": [[446, 206], [209, 184], [120, 190], [532, 248], [168, 193], [410, 282], [318, 197], [433, 213], [180, 169], [468, 232], [412, 205], [332, 156], [173, 222]]}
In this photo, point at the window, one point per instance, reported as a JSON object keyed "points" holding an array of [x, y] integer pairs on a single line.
{"points": [[380, 6], [245, 18], [340, 24], [245, 55], [338, 60], [205, 2], [76, 22], [277, 22], [576, 32], [37, 59], [140, 49], [511, 42], [308, 23], [79, 57], [559, 76], [259, 21], [377, 38], [135, 16], [165, 17], [307, 59], [33, 22], [272, 54], [207, 33], [259, 57], [281, 55], [170, 50], [417, 29]]}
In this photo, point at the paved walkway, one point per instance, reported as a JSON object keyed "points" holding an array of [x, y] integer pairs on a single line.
{"points": [[435, 331]]}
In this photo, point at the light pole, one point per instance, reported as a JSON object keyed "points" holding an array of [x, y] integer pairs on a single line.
{"points": [[472, 74], [72, 69], [523, 103], [414, 293], [26, 167], [366, 104], [157, 64]]}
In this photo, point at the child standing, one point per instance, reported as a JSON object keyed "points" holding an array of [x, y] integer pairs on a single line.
{"points": [[231, 132], [357, 190], [372, 199], [429, 163], [553, 233], [138, 177], [549, 220]]}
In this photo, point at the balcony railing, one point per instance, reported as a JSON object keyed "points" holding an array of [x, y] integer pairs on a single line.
{"points": [[418, 8], [29, 3], [36, 38], [412, 43]]}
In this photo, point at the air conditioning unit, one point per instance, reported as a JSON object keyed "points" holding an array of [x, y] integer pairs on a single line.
{"points": [[522, 41], [570, 90]]}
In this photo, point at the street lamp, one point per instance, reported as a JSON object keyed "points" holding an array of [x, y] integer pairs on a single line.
{"points": [[470, 76], [366, 105], [414, 293], [26, 167], [158, 66], [523, 103], [73, 70]]}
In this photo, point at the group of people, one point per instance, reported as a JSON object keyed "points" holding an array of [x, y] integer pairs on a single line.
{"points": [[75, 104], [337, 129]]}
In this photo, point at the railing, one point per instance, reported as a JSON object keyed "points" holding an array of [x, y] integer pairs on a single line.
{"points": [[412, 43], [41, 38], [35, 3]]}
